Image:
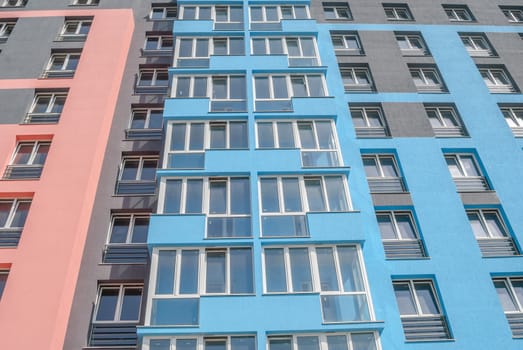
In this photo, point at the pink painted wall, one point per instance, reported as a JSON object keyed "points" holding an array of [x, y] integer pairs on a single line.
{"points": [[36, 302]]}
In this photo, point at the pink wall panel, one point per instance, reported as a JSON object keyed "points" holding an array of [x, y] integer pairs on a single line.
{"points": [[44, 267]]}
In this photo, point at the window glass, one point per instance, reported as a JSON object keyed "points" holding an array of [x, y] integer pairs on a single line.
{"points": [[238, 90], [291, 195], [194, 196], [183, 86], [305, 130], [238, 135], [363, 341], [350, 269], [388, 167], [504, 296], [140, 228], [337, 342], [275, 274], [132, 298], [327, 269], [119, 230], [189, 272], [405, 226], [218, 135], [426, 298], [298, 86], [165, 272], [316, 86], [300, 267], [477, 227], [494, 225], [285, 135], [280, 87], [269, 194], [241, 270], [107, 304], [202, 47], [243, 343], [218, 197], [280, 344], [265, 135], [240, 196], [386, 227], [262, 87], [308, 343], [173, 194], [405, 299], [216, 274], [336, 193], [314, 194]]}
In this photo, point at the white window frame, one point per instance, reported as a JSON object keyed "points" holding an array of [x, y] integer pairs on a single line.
{"points": [[15, 203], [213, 9], [322, 341], [481, 217], [353, 72], [210, 46], [392, 214], [395, 9], [161, 39], [209, 86], [491, 79], [458, 13], [364, 112], [303, 193], [316, 287], [290, 90], [147, 111], [346, 49], [414, 297], [206, 182], [165, 13], [121, 290], [64, 70], [154, 81], [427, 85], [286, 48], [6, 28], [513, 14], [412, 50], [79, 23], [200, 340], [438, 109], [461, 167], [130, 231], [141, 160], [377, 159], [470, 41], [280, 14], [36, 145], [13, 3], [337, 9], [513, 115], [507, 281], [53, 97], [85, 2], [202, 272]]}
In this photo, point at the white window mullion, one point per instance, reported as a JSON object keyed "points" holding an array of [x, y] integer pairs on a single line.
{"points": [[338, 269], [206, 195], [290, 287], [227, 271], [296, 134], [202, 276], [313, 262], [324, 191], [177, 271], [303, 192], [414, 294], [119, 302]]}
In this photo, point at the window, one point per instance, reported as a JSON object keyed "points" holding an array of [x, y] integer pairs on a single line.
{"points": [[355, 340], [368, 121], [420, 310], [315, 138], [181, 276], [117, 312], [160, 12], [188, 141], [382, 173], [337, 10], [13, 213], [458, 13], [225, 17], [3, 281], [127, 240], [411, 44], [227, 92], [28, 160], [465, 172], [510, 293], [497, 79], [356, 78], [397, 12], [285, 201], [47, 107], [514, 118], [6, 27], [427, 78], [347, 43], [301, 51], [273, 92], [445, 121], [152, 79], [477, 45], [195, 52], [158, 43], [137, 175], [336, 272], [13, 3], [62, 64], [513, 14], [491, 233], [75, 29], [269, 17], [399, 235], [225, 201], [146, 122], [85, 2], [221, 342]]}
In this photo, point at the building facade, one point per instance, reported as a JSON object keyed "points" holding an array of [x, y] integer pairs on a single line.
{"points": [[311, 175]]}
